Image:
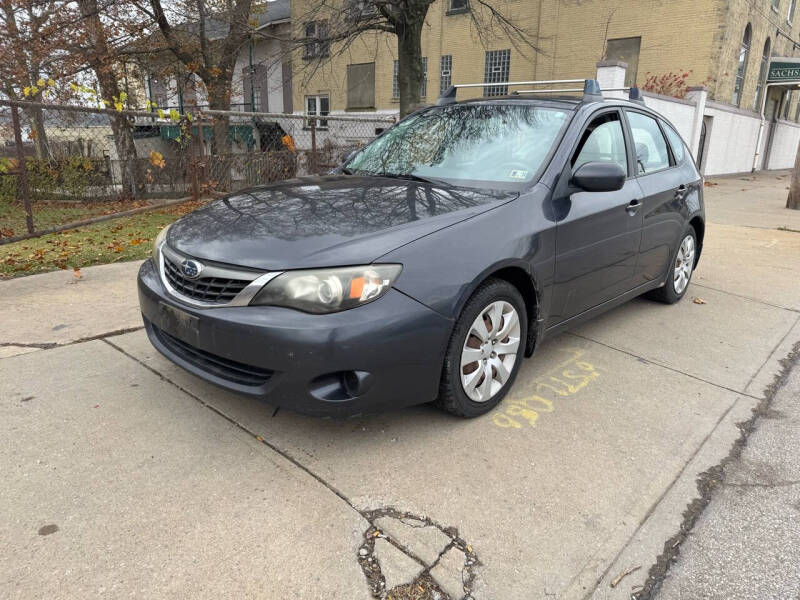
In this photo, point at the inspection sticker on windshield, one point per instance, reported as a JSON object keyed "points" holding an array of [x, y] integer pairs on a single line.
{"points": [[518, 174]]}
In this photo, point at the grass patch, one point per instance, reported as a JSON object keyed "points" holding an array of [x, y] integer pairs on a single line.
{"points": [[126, 238], [47, 214]]}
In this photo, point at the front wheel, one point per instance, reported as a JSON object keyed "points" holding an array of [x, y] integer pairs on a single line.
{"points": [[680, 272], [485, 350]]}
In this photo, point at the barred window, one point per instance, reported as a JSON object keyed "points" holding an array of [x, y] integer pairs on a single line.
{"points": [[317, 43], [446, 75], [318, 105], [396, 79], [497, 67]]}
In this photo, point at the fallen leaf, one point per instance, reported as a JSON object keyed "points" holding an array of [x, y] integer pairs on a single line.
{"points": [[76, 273], [699, 301]]}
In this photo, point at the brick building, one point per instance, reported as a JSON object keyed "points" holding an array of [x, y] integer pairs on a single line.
{"points": [[726, 44]]}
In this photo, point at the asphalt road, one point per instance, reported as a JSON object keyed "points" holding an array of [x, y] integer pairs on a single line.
{"points": [[123, 475]]}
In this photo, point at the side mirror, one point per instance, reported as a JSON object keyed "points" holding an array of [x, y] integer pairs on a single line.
{"points": [[599, 177], [349, 155]]}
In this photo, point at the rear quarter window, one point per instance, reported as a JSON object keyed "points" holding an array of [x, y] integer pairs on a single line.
{"points": [[675, 142]]}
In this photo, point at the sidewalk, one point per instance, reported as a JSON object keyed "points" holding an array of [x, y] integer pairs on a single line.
{"points": [[746, 544], [127, 476]]}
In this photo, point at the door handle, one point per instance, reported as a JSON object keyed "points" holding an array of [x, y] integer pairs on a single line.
{"points": [[680, 192], [633, 206]]}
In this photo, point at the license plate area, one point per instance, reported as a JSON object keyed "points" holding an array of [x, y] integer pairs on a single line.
{"points": [[179, 323]]}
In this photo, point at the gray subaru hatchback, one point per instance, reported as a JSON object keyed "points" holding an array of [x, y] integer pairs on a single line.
{"points": [[434, 259]]}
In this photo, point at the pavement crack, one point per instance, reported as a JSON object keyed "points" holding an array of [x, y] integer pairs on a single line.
{"points": [[89, 338], [712, 479], [743, 297], [244, 428], [663, 366], [776, 484]]}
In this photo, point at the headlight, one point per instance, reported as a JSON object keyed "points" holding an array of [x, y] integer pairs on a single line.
{"points": [[328, 290], [162, 235]]}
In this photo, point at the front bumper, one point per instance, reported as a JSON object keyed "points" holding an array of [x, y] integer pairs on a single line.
{"points": [[301, 361]]}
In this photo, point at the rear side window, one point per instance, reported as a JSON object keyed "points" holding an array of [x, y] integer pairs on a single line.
{"points": [[602, 141], [650, 146], [675, 142]]}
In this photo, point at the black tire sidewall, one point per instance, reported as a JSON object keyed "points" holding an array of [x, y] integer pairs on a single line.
{"points": [[457, 401]]}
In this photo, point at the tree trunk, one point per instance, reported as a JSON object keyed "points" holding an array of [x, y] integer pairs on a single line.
{"points": [[36, 116], [101, 61], [793, 201], [409, 56], [220, 163]]}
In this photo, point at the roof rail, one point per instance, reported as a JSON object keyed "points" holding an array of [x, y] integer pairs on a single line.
{"points": [[634, 95], [591, 89]]}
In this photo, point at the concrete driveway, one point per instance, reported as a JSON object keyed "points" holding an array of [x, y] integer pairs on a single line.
{"points": [[123, 475]]}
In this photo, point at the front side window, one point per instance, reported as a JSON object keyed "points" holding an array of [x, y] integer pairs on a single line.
{"points": [[318, 105], [741, 67], [602, 141], [649, 144], [675, 142], [498, 63], [466, 143]]}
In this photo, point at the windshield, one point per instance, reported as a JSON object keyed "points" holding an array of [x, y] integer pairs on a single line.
{"points": [[465, 142]]}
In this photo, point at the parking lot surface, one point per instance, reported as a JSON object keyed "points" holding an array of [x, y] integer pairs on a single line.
{"points": [[125, 475]]}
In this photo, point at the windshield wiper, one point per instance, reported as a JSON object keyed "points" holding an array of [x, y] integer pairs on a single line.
{"points": [[412, 177]]}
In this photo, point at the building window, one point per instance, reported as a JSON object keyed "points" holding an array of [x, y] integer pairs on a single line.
{"points": [[797, 112], [446, 74], [361, 85], [496, 70], [741, 68], [455, 7], [360, 9], [790, 12], [762, 75], [776, 5], [626, 50], [396, 79], [317, 44], [788, 103], [318, 105]]}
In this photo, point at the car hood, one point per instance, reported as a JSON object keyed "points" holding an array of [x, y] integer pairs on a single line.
{"points": [[324, 221]]}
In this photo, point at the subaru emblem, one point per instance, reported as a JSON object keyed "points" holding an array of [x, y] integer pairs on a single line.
{"points": [[191, 269]]}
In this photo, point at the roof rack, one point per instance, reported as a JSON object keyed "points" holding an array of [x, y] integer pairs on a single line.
{"points": [[591, 89]]}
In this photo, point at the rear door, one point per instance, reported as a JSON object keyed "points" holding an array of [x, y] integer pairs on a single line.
{"points": [[597, 233], [663, 189]]}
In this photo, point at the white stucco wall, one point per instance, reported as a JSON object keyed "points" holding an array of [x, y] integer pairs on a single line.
{"points": [[679, 113], [784, 145]]}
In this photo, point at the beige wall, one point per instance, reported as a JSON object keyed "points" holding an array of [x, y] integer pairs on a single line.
{"points": [[702, 36]]}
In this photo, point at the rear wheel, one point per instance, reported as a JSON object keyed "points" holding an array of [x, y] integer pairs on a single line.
{"points": [[680, 272], [485, 350]]}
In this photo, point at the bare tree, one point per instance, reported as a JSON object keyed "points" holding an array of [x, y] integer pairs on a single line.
{"points": [[207, 39], [346, 21]]}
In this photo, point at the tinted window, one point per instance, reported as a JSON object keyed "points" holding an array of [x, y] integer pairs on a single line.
{"points": [[675, 142], [602, 141], [649, 144], [467, 142]]}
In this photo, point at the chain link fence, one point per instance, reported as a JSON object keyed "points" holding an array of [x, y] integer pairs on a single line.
{"points": [[66, 165]]}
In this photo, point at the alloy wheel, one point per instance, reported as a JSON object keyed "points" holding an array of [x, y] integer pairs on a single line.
{"points": [[684, 263], [490, 351]]}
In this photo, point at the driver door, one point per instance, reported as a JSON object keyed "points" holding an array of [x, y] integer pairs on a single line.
{"points": [[597, 233]]}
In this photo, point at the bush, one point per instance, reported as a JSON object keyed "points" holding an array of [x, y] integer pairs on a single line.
{"points": [[55, 179]]}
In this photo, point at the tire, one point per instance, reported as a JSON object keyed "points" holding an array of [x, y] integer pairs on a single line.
{"points": [[675, 287], [494, 299]]}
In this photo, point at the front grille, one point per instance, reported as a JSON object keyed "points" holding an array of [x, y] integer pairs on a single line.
{"points": [[224, 368], [214, 290]]}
